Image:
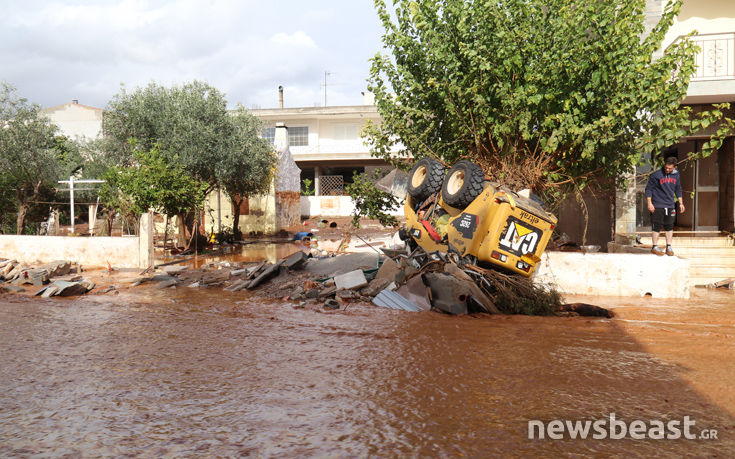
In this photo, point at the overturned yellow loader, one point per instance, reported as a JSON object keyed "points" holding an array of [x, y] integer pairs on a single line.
{"points": [[461, 212]]}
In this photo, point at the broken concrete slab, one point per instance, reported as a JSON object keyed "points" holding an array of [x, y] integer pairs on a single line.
{"points": [[344, 297], [329, 291], [447, 293], [161, 277], [376, 286], [37, 277], [388, 270], [166, 283], [57, 268], [13, 289], [342, 263], [238, 285], [351, 280], [416, 292], [237, 272], [296, 261], [476, 293], [174, 269], [254, 270], [69, 288], [49, 291], [267, 273]]}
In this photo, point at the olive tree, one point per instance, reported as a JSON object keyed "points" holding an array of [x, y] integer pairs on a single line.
{"points": [[29, 161], [249, 164], [191, 126]]}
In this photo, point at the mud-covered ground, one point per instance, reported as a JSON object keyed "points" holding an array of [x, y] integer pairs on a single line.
{"points": [[146, 372]]}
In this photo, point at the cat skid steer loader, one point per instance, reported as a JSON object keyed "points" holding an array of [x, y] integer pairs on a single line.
{"points": [[481, 222]]}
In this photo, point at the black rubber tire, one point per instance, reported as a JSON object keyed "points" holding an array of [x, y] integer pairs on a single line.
{"points": [[425, 178], [462, 184]]}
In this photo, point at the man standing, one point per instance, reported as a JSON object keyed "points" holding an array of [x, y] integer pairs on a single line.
{"points": [[662, 192]]}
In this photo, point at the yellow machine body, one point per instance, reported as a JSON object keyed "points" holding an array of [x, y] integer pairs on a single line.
{"points": [[498, 228]]}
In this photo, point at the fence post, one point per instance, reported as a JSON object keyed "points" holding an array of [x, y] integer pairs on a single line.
{"points": [[145, 241]]}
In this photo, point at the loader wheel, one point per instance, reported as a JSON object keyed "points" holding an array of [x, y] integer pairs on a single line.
{"points": [[463, 183], [425, 179]]}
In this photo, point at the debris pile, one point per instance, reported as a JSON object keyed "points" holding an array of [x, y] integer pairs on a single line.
{"points": [[19, 275], [725, 284]]}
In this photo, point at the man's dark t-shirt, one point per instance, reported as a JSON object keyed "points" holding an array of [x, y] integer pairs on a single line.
{"points": [[662, 188]]}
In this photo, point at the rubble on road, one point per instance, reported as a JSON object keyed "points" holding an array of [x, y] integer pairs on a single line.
{"points": [[66, 288], [419, 281], [725, 283], [65, 284]]}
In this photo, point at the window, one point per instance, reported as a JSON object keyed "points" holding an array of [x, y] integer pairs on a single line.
{"points": [[269, 133], [298, 136], [344, 131]]}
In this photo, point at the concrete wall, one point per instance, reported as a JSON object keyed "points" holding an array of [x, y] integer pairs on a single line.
{"points": [[606, 274], [76, 120], [261, 217], [120, 252], [333, 206]]}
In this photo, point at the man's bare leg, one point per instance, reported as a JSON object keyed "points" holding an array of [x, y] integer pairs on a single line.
{"points": [[654, 238], [669, 237]]}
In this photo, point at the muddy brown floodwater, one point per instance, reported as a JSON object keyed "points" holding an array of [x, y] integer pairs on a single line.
{"points": [[212, 373]]}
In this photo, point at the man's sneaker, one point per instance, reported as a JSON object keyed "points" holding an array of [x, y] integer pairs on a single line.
{"points": [[656, 251], [669, 252]]}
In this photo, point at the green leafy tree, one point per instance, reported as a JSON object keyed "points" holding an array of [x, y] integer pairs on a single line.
{"points": [[543, 94], [248, 164], [194, 129], [369, 201], [28, 157], [189, 121], [153, 182]]}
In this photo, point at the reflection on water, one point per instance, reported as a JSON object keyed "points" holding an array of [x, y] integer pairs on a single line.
{"points": [[198, 374], [240, 253]]}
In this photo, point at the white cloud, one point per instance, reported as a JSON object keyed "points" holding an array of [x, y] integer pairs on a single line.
{"points": [[298, 38], [55, 51]]}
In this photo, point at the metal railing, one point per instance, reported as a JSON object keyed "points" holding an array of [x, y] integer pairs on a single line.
{"points": [[716, 57]]}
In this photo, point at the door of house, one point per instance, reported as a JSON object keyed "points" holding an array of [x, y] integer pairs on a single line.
{"points": [[702, 179]]}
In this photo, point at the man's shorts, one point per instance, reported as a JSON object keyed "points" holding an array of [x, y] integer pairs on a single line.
{"points": [[663, 218]]}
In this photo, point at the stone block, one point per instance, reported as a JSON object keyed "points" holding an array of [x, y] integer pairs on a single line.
{"points": [[351, 280]]}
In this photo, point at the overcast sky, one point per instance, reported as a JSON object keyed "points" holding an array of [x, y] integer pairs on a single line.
{"points": [[56, 51]]}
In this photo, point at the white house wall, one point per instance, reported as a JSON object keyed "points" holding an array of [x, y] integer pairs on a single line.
{"points": [[76, 120]]}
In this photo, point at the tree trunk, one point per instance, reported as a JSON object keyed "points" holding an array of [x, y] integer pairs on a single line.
{"points": [[20, 222], [110, 221], [165, 233], [236, 217]]}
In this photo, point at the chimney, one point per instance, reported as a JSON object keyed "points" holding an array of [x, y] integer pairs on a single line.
{"points": [[280, 97], [75, 101], [280, 142]]}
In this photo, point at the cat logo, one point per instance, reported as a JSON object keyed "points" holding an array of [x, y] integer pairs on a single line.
{"points": [[519, 238]]}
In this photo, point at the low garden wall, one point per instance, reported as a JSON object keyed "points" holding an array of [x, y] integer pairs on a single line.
{"points": [[119, 252], [614, 274]]}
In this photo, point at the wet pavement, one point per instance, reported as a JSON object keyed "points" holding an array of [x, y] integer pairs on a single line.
{"points": [[205, 373]]}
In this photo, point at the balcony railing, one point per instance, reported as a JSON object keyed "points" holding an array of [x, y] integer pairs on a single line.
{"points": [[716, 58]]}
